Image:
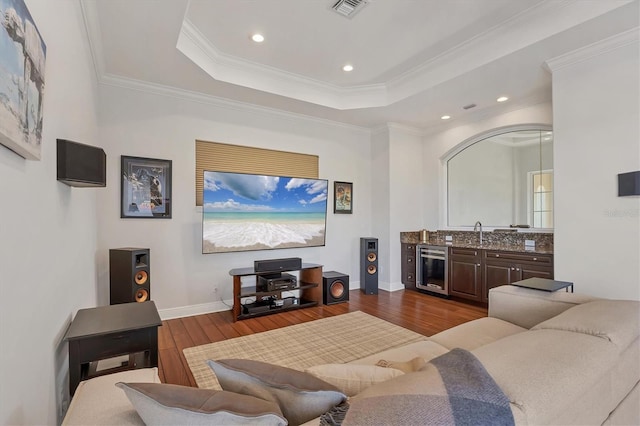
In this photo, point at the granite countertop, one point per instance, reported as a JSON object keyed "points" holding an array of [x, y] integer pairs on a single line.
{"points": [[503, 241], [499, 247]]}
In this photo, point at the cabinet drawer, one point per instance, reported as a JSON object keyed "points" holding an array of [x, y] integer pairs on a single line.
{"points": [[519, 257], [458, 251]]}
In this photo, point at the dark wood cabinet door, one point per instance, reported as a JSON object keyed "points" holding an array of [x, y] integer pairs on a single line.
{"points": [[496, 274], [408, 265], [464, 277], [535, 271]]}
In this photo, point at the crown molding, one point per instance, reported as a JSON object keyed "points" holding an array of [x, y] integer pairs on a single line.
{"points": [[595, 49], [531, 25], [168, 91], [195, 46], [92, 27], [414, 131], [524, 29], [540, 21]]}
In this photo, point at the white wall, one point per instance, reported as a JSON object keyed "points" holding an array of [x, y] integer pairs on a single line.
{"points": [[47, 231], [405, 209], [396, 173], [138, 123], [437, 145], [597, 135], [381, 199]]}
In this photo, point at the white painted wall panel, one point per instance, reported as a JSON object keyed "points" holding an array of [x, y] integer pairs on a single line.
{"points": [[597, 135], [47, 231]]}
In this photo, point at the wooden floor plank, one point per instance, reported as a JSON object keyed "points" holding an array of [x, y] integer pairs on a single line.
{"points": [[415, 311]]}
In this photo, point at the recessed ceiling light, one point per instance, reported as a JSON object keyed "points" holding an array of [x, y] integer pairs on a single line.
{"points": [[347, 68], [258, 38], [502, 99], [445, 117]]}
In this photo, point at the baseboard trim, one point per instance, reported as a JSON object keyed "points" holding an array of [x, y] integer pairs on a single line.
{"points": [[381, 286], [189, 311], [220, 306]]}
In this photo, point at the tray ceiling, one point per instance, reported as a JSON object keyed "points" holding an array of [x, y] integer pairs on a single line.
{"points": [[413, 60]]}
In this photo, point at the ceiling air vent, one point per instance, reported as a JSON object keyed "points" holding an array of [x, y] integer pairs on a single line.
{"points": [[349, 8]]}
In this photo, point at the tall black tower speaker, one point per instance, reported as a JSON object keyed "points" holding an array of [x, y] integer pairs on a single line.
{"points": [[369, 265], [129, 275]]}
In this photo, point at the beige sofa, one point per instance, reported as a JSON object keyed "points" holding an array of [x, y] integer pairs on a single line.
{"points": [[560, 358]]}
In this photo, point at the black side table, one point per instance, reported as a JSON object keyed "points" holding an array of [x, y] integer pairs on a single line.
{"points": [[544, 284], [110, 331]]}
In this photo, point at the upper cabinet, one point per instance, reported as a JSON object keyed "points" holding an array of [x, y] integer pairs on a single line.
{"points": [[502, 178]]}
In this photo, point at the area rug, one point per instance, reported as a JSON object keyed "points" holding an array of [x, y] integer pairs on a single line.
{"points": [[339, 339]]}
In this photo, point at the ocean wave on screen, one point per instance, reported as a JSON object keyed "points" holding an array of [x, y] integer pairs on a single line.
{"points": [[269, 234]]}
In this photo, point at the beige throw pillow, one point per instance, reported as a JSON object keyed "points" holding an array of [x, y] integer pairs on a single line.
{"points": [[353, 378], [165, 404], [301, 396]]}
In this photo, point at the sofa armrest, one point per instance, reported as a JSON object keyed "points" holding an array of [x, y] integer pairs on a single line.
{"points": [[99, 402], [527, 307]]}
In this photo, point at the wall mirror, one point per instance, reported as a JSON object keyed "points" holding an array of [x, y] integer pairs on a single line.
{"points": [[502, 178]]}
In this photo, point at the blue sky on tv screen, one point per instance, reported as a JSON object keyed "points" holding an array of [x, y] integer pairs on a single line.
{"points": [[237, 192]]}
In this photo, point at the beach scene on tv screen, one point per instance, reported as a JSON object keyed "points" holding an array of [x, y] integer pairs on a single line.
{"points": [[259, 212]]}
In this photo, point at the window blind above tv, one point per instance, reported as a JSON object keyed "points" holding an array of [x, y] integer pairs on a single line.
{"points": [[224, 157]]}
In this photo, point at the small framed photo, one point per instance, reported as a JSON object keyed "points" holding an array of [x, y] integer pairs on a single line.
{"points": [[146, 188], [343, 197]]}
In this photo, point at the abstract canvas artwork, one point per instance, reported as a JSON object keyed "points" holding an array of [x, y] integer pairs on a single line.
{"points": [[22, 63]]}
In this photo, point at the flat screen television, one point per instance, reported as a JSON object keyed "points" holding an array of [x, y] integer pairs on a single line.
{"points": [[243, 212]]}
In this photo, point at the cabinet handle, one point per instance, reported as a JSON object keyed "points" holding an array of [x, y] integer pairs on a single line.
{"points": [[517, 269], [513, 269], [409, 260], [475, 253], [497, 255], [535, 258], [478, 264]]}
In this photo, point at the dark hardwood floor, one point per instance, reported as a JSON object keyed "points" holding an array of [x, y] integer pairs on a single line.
{"points": [[421, 313]]}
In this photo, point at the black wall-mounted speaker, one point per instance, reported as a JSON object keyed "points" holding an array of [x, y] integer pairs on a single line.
{"points": [[335, 287], [129, 275], [629, 184], [369, 265], [81, 165], [277, 265]]}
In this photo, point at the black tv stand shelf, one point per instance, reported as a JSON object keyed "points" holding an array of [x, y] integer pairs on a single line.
{"points": [[309, 288]]}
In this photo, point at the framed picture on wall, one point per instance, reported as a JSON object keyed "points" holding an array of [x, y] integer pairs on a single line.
{"points": [[343, 197], [22, 63], [146, 188]]}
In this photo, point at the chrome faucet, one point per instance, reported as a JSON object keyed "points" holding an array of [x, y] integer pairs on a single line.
{"points": [[475, 228]]}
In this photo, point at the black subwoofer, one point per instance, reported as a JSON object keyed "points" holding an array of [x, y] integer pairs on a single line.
{"points": [[369, 265], [129, 275], [335, 287]]}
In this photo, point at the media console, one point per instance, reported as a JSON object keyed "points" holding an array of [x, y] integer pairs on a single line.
{"points": [[267, 295]]}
